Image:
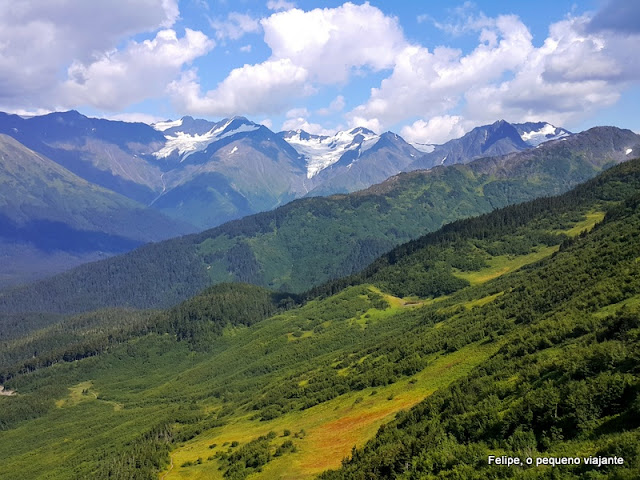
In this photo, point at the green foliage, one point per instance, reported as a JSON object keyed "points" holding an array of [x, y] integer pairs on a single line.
{"points": [[199, 321], [252, 457], [564, 378], [565, 381]]}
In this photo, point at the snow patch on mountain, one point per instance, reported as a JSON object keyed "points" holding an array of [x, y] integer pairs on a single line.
{"points": [[187, 144], [543, 134], [162, 126], [629, 150], [322, 151], [423, 147], [240, 129]]}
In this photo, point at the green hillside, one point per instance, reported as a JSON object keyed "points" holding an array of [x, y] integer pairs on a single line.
{"points": [[523, 342], [310, 241]]}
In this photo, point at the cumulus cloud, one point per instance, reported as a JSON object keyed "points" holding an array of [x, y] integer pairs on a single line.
{"points": [[135, 117], [569, 77], [619, 16], [318, 47], [331, 42], [264, 88], [119, 78], [575, 72], [37, 37], [235, 26], [436, 130], [267, 122], [336, 105], [426, 83]]}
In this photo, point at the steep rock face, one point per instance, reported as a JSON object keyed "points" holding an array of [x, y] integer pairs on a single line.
{"points": [[245, 170], [387, 156]]}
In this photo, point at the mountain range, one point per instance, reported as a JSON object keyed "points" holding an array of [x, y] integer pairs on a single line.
{"points": [[187, 175], [206, 173], [312, 240]]}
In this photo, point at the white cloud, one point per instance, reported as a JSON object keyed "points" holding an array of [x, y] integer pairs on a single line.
{"points": [[37, 38], [331, 42], [372, 124], [425, 83], [264, 88], [280, 5], [235, 26], [336, 105], [437, 130], [246, 48], [267, 122], [119, 78], [28, 112], [298, 119], [300, 123], [570, 76], [322, 46], [297, 112]]}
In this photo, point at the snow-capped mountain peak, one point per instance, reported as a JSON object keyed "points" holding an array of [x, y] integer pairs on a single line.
{"points": [[321, 151]]}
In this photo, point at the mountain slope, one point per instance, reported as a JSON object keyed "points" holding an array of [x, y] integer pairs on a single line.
{"points": [[382, 157], [313, 240], [49, 215], [535, 355], [103, 152], [535, 133], [235, 169], [564, 383], [499, 138]]}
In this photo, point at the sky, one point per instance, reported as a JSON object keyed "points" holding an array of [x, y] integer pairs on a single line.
{"points": [[430, 71]]}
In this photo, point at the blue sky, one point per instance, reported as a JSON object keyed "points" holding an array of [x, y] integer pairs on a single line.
{"points": [[427, 70]]}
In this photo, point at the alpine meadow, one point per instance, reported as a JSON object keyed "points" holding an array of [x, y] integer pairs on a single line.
{"points": [[313, 240]]}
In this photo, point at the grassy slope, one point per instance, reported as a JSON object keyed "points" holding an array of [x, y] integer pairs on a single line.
{"points": [[565, 382], [287, 369]]}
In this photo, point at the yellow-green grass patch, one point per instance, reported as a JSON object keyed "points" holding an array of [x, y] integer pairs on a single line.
{"points": [[587, 224], [331, 428], [503, 264]]}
